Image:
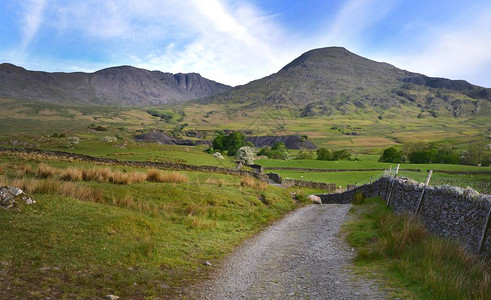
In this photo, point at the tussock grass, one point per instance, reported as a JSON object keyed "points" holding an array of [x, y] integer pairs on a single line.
{"points": [[441, 267], [154, 175], [219, 182], [54, 187], [46, 171], [71, 174], [248, 181], [96, 174]]}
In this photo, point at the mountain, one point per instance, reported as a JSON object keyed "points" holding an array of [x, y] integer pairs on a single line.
{"points": [[333, 80], [123, 85]]}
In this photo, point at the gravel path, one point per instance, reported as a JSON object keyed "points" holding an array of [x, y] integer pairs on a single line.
{"points": [[299, 257]]}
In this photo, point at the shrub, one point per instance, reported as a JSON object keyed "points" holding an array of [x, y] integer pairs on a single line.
{"points": [[230, 143], [246, 155], [305, 155], [341, 155], [324, 154], [392, 155], [278, 151]]}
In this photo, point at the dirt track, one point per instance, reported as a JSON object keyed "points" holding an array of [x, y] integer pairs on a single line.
{"points": [[299, 257]]}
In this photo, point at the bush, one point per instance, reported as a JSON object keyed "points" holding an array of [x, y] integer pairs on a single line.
{"points": [[423, 156], [324, 154], [392, 155], [278, 151], [246, 155], [230, 143], [305, 155], [341, 155]]}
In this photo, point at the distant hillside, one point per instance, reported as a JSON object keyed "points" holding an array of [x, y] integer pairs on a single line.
{"points": [[123, 85], [331, 80]]}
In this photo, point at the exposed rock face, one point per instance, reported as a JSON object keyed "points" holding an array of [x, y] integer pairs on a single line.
{"points": [[123, 85], [333, 80], [11, 197]]}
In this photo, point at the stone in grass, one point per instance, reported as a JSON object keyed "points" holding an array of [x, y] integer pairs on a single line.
{"points": [[111, 297], [10, 197], [207, 263], [315, 199]]}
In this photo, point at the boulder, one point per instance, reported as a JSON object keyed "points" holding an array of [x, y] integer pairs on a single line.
{"points": [[315, 199], [11, 196]]}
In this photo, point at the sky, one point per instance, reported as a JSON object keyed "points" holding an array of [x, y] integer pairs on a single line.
{"points": [[234, 42]]}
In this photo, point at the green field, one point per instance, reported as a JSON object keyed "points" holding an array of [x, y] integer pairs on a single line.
{"points": [[91, 237], [132, 236]]}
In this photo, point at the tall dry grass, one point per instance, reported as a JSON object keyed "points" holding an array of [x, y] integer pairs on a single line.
{"points": [[249, 181], [71, 174], [55, 187], [154, 175], [47, 171], [219, 182], [441, 265]]}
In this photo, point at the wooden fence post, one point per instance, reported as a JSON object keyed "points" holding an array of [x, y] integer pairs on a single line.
{"points": [[484, 231], [392, 186], [423, 192]]}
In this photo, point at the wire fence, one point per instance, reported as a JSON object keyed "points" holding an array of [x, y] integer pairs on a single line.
{"points": [[482, 185]]}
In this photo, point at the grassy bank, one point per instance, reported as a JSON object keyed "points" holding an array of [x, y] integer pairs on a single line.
{"points": [[399, 249], [99, 230]]}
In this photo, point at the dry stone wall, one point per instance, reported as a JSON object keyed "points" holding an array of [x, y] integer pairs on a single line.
{"points": [[457, 213], [173, 166]]}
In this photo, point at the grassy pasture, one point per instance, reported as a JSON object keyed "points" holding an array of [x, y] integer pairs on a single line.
{"points": [[87, 236]]}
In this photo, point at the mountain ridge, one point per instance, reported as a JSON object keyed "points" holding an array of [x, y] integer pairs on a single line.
{"points": [[332, 79], [120, 85]]}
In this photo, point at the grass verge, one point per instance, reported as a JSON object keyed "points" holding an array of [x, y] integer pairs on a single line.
{"points": [[400, 248]]}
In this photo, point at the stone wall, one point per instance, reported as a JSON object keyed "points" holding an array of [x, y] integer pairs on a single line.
{"points": [[171, 166], [448, 211], [309, 184]]}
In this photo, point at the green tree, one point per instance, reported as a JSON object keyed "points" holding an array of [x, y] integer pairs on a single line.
{"points": [[423, 156], [341, 155], [230, 143], [324, 154], [392, 155], [278, 151]]}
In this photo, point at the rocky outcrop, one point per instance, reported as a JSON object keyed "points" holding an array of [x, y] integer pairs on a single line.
{"points": [[11, 197], [124, 85]]}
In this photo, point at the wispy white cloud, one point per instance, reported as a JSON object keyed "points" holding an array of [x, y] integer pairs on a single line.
{"points": [[459, 52], [354, 19], [234, 41], [33, 17], [231, 42]]}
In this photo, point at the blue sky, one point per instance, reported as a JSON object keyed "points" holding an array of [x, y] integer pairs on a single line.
{"points": [[234, 42]]}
